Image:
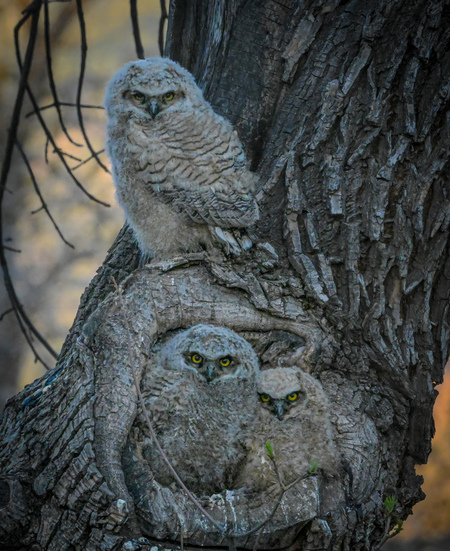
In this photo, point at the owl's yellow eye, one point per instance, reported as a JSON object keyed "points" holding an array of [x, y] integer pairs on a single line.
{"points": [[292, 397], [196, 358], [168, 96], [139, 96], [264, 398], [225, 362]]}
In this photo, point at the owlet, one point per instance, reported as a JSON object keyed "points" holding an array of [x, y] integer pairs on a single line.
{"points": [[178, 167], [294, 417], [200, 412]]}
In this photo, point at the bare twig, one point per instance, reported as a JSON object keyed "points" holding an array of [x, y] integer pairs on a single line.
{"points": [[284, 489], [136, 31], [51, 80], [80, 83], [60, 155], [67, 154], [46, 151], [33, 10], [388, 534], [161, 27], [12, 249], [6, 312], [81, 163], [64, 104], [39, 194], [385, 537]]}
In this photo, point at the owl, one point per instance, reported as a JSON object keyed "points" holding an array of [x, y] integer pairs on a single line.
{"points": [[200, 399], [294, 417], [179, 169]]}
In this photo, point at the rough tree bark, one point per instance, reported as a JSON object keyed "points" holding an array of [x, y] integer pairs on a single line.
{"points": [[344, 111]]}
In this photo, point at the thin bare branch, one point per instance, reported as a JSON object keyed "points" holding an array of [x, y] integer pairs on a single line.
{"points": [[80, 83], [162, 20], [86, 160], [6, 312], [136, 31], [39, 194], [7, 248], [64, 104], [68, 155], [33, 10], [385, 537], [46, 151], [284, 489], [51, 80]]}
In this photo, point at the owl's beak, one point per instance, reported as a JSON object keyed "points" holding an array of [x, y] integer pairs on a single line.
{"points": [[279, 409], [210, 373], [153, 108]]}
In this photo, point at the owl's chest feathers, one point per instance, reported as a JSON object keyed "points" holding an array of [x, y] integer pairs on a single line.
{"points": [[160, 229], [172, 175]]}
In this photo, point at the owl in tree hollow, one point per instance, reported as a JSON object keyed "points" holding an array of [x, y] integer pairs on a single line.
{"points": [[294, 416], [201, 414], [179, 168]]}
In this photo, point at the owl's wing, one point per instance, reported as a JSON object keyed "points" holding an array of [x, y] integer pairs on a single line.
{"points": [[217, 204], [200, 169]]}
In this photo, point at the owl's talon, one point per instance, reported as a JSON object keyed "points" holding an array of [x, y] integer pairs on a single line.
{"points": [[227, 239]]}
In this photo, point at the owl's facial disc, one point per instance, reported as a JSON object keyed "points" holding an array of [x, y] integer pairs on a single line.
{"points": [[279, 406]]}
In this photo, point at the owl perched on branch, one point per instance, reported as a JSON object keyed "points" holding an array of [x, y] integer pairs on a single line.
{"points": [[179, 168]]}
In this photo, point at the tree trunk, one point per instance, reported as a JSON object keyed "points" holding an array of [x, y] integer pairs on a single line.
{"points": [[343, 108]]}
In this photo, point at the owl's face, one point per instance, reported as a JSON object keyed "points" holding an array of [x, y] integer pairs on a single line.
{"points": [[148, 89], [280, 390], [215, 353]]}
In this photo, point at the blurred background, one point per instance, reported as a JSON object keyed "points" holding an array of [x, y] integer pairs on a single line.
{"points": [[50, 276]]}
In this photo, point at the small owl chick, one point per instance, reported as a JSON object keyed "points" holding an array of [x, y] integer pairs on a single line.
{"points": [[294, 417], [200, 416], [178, 167]]}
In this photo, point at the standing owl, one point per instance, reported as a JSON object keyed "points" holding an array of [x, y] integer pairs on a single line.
{"points": [[200, 407], [178, 167], [294, 416]]}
